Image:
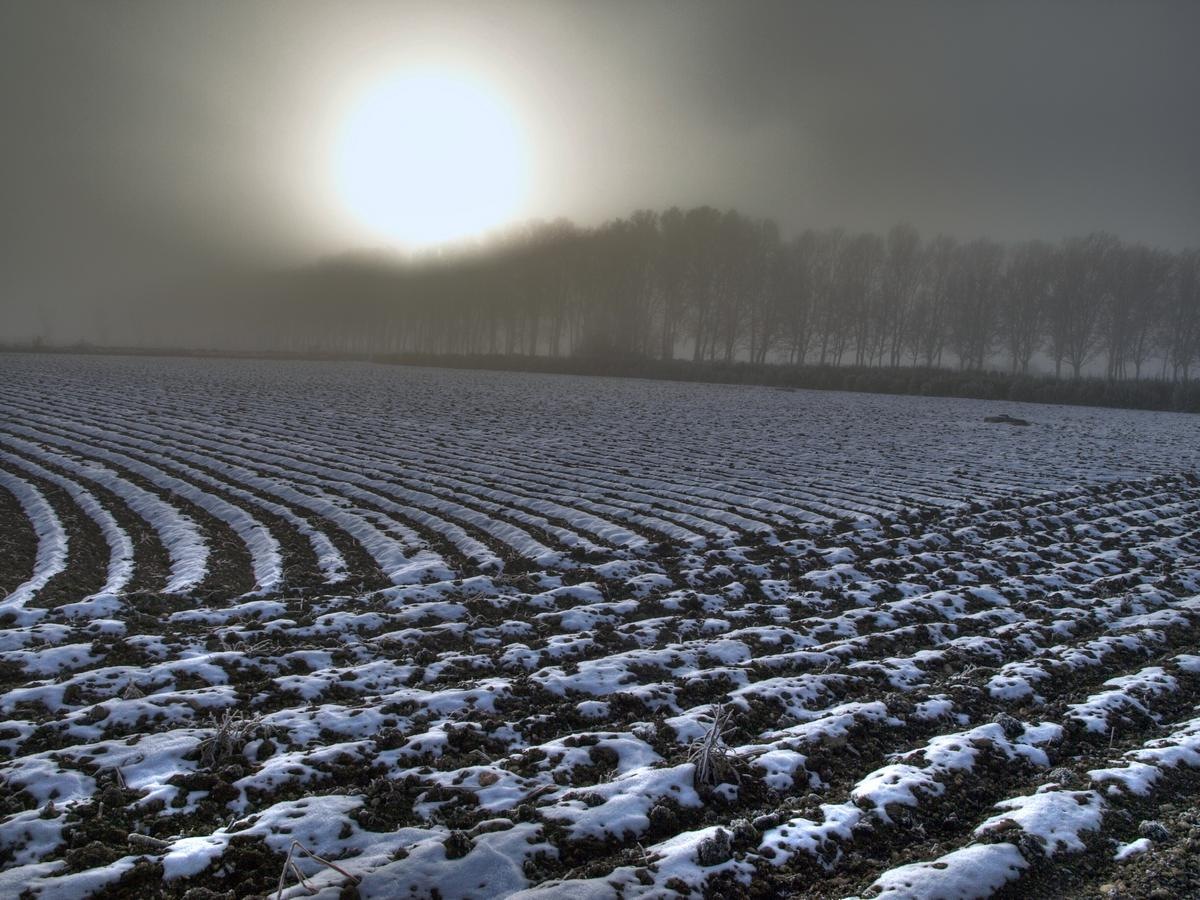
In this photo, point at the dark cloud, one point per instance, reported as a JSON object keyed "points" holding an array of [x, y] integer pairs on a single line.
{"points": [[144, 141]]}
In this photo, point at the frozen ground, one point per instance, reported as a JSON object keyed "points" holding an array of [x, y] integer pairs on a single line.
{"points": [[503, 635]]}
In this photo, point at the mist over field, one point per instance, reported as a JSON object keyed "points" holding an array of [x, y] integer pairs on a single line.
{"points": [[876, 184], [559, 449]]}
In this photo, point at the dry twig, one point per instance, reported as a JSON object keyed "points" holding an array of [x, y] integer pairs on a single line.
{"points": [[233, 731], [713, 758], [290, 863]]}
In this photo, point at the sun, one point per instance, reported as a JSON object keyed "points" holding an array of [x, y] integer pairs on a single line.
{"points": [[430, 157]]}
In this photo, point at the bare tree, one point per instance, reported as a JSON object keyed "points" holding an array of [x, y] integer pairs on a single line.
{"points": [[1182, 318], [859, 290], [798, 278], [1025, 296], [928, 327], [901, 279], [1080, 292], [975, 292], [827, 310], [1137, 277]]}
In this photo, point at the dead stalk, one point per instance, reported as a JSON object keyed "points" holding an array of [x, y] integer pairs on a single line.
{"points": [[290, 863], [711, 755]]}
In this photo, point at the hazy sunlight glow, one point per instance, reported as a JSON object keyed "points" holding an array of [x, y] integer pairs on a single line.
{"points": [[431, 157]]}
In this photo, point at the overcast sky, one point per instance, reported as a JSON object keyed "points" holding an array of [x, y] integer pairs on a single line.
{"points": [[144, 141]]}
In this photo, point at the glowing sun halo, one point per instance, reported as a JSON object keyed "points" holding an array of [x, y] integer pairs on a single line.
{"points": [[430, 157]]}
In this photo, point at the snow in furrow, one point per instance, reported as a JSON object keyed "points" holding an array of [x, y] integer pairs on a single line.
{"points": [[178, 533], [453, 480], [390, 554], [265, 558], [120, 560], [51, 555], [329, 560], [378, 493]]}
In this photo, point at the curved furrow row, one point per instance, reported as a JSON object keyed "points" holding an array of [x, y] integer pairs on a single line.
{"points": [[293, 442], [746, 502], [257, 538], [51, 554], [850, 487], [121, 557], [178, 533], [391, 556], [467, 455], [588, 498], [571, 537], [379, 493], [196, 485]]}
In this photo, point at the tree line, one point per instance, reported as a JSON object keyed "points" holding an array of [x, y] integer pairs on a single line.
{"points": [[721, 288], [715, 286]]}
